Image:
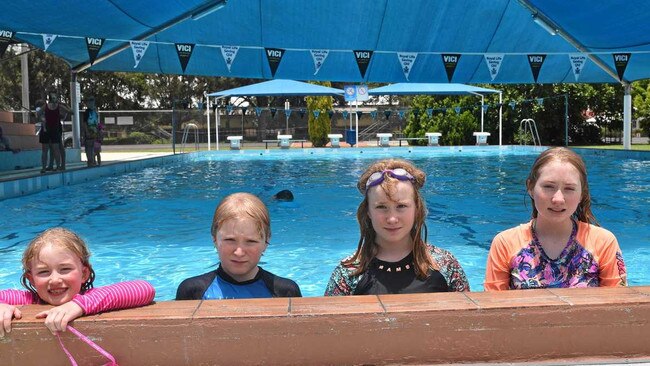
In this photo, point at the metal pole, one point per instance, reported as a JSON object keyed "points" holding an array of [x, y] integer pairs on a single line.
{"points": [[500, 119], [627, 117], [356, 117], [207, 99], [482, 111], [24, 73], [286, 113], [174, 126], [74, 100]]}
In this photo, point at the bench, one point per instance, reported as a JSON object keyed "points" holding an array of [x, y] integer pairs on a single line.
{"points": [[384, 139], [283, 142], [21, 135], [335, 139], [481, 138], [235, 142]]}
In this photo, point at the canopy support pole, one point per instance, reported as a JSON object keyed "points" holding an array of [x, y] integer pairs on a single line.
{"points": [[482, 111], [500, 118], [207, 100], [74, 101], [627, 117], [566, 120]]}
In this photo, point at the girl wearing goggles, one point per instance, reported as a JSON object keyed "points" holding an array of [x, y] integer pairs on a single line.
{"points": [[393, 256]]}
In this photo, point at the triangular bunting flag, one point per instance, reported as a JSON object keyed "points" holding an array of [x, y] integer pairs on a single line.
{"points": [[578, 61], [274, 56], [319, 57], [387, 114], [407, 59], [363, 60], [229, 108], [540, 101], [457, 110], [620, 62], [287, 112], [512, 105], [416, 112], [485, 107], [302, 112], [138, 48], [243, 110], [258, 111], [229, 53], [345, 114], [5, 38], [429, 112], [493, 61], [184, 51], [359, 114], [536, 62], [373, 114], [401, 114], [451, 61], [94, 45], [273, 112], [47, 40], [316, 113], [330, 113]]}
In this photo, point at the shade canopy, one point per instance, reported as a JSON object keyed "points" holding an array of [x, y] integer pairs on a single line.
{"points": [[429, 88], [392, 41], [278, 87]]}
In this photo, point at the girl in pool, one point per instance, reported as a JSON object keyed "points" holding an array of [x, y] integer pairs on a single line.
{"points": [[561, 246], [393, 256], [57, 271], [241, 230]]}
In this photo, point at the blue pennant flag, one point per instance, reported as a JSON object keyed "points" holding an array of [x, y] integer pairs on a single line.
{"points": [[387, 113], [229, 108], [330, 113], [373, 114], [485, 107], [401, 114], [512, 105], [416, 112], [345, 114], [457, 109], [273, 111], [258, 111], [287, 112], [302, 112], [316, 113], [429, 112], [359, 113], [243, 110], [540, 101]]}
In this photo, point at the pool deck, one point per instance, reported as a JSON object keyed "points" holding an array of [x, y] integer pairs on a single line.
{"points": [[592, 326]]}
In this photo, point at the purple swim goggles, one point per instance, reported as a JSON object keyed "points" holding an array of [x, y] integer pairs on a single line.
{"points": [[399, 174]]}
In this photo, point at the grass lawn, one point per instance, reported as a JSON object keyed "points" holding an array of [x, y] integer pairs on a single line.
{"points": [[640, 147]]}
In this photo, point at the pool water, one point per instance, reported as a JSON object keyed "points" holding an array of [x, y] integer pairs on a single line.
{"points": [[155, 224]]}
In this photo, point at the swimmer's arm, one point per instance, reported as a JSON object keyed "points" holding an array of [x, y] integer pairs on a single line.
{"points": [[123, 295]]}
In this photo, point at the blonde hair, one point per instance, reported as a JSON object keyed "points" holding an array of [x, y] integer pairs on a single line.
{"points": [[367, 248], [242, 205], [63, 238], [562, 154]]}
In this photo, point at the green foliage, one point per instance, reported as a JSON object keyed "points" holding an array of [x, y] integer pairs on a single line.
{"points": [[319, 127], [456, 128], [641, 103]]}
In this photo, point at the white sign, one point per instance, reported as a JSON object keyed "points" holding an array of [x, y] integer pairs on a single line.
{"points": [[319, 57], [48, 39], [494, 61], [407, 59], [229, 53], [578, 61], [124, 120], [139, 48], [109, 120]]}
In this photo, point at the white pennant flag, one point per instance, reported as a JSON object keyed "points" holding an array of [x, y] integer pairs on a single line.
{"points": [[139, 48], [406, 59], [494, 61], [319, 57], [48, 39], [229, 53], [578, 61]]}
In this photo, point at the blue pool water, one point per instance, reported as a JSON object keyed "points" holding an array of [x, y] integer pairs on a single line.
{"points": [[155, 224]]}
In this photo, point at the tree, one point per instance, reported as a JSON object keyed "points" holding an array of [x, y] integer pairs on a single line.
{"points": [[320, 126]]}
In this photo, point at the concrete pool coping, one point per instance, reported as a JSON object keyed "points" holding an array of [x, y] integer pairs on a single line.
{"points": [[547, 326]]}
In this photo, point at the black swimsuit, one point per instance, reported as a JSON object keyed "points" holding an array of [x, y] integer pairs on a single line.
{"points": [[398, 278]]}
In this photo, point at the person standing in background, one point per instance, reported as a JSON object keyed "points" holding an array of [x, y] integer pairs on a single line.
{"points": [[90, 130], [53, 112]]}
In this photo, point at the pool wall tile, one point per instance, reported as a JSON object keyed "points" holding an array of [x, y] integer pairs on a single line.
{"points": [[506, 327]]}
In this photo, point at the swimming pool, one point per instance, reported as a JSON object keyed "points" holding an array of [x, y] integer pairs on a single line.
{"points": [[155, 224]]}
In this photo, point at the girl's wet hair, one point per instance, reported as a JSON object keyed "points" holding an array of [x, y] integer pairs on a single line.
{"points": [[242, 205], [564, 155], [62, 238], [367, 248]]}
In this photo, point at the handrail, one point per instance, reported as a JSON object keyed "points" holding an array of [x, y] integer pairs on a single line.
{"points": [[186, 131], [529, 124]]}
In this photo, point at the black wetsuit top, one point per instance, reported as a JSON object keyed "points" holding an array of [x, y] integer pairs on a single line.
{"points": [[193, 288], [398, 278]]}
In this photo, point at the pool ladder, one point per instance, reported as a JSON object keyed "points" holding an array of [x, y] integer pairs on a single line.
{"points": [[529, 126], [186, 131]]}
